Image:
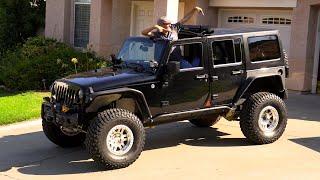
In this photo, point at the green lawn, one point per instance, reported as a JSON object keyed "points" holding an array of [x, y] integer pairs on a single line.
{"points": [[16, 107]]}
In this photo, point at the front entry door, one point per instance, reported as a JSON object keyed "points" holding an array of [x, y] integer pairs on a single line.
{"points": [[227, 62], [188, 89], [142, 13]]}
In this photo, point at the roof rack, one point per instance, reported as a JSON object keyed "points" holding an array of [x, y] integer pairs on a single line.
{"points": [[196, 30]]}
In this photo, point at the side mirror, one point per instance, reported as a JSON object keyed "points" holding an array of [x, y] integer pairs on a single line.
{"points": [[114, 59], [173, 67], [115, 62], [153, 64]]}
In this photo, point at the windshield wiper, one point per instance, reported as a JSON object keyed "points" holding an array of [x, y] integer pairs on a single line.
{"points": [[136, 66]]}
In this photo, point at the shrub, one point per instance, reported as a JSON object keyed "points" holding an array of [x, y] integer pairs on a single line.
{"points": [[19, 19], [40, 58]]}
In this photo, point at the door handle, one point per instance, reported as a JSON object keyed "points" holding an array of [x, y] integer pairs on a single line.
{"points": [[201, 77], [237, 72], [214, 78]]}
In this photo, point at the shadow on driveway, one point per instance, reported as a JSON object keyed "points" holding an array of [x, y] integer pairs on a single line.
{"points": [[34, 154], [312, 143], [303, 107]]}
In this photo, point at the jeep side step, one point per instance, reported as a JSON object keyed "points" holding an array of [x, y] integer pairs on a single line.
{"points": [[185, 115]]}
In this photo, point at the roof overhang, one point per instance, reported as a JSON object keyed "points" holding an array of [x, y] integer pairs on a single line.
{"points": [[254, 3]]}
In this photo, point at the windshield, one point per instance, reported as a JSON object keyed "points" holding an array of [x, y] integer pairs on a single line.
{"points": [[141, 50]]}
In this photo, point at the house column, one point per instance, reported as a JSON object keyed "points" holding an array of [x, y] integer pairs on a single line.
{"points": [[211, 13], [100, 37], [121, 22], [169, 8], [58, 13], [302, 49]]}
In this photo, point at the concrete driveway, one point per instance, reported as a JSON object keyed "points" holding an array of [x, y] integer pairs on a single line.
{"points": [[177, 150]]}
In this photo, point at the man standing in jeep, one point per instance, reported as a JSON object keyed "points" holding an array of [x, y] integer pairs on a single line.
{"points": [[164, 29]]}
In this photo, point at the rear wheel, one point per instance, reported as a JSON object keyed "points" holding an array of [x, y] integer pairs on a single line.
{"points": [[264, 118], [115, 138], [61, 138], [206, 121]]}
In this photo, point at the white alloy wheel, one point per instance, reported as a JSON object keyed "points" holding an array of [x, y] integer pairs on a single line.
{"points": [[268, 119], [120, 140]]}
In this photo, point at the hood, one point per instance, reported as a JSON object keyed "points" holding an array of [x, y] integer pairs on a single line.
{"points": [[106, 78]]}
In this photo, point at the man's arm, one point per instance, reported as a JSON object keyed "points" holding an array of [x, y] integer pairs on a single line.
{"points": [[149, 31], [188, 16]]}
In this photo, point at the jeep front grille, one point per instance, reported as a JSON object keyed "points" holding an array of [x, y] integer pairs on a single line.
{"points": [[65, 94]]}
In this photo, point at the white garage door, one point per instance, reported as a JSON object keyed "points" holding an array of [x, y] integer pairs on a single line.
{"points": [[275, 19]]}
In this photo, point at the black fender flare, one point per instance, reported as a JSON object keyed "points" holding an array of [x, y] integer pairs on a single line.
{"points": [[238, 99], [103, 98]]}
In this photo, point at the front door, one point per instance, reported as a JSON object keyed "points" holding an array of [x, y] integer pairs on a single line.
{"points": [[188, 89], [142, 16], [227, 65]]}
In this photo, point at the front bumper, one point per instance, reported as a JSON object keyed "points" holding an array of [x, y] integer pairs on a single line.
{"points": [[47, 111], [52, 113]]}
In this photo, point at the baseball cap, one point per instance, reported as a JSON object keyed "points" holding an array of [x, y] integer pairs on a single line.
{"points": [[163, 20]]}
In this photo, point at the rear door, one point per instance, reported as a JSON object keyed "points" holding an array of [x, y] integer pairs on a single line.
{"points": [[227, 66]]}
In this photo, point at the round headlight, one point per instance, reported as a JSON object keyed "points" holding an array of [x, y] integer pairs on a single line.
{"points": [[81, 94]]}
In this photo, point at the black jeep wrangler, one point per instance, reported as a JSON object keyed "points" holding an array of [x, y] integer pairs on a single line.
{"points": [[204, 76]]}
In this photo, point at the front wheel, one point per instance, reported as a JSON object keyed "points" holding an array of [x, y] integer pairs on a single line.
{"points": [[115, 138], [263, 118]]}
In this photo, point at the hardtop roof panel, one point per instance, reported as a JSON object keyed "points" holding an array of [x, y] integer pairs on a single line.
{"points": [[223, 31]]}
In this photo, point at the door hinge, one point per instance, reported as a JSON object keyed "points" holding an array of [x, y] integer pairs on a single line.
{"points": [[165, 84], [164, 103], [215, 96]]}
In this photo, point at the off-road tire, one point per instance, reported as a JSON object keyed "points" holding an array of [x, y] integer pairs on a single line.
{"points": [[98, 131], [250, 116], [55, 135], [205, 122]]}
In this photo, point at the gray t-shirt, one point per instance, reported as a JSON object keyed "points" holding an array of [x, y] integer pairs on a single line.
{"points": [[173, 35]]}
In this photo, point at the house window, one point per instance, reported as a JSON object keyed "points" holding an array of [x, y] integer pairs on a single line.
{"points": [[81, 22], [276, 20], [241, 19]]}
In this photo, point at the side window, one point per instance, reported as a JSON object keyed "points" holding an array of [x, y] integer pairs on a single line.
{"points": [[263, 48], [189, 55], [227, 52]]}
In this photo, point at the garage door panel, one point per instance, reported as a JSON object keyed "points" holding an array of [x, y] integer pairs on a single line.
{"points": [[248, 18]]}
